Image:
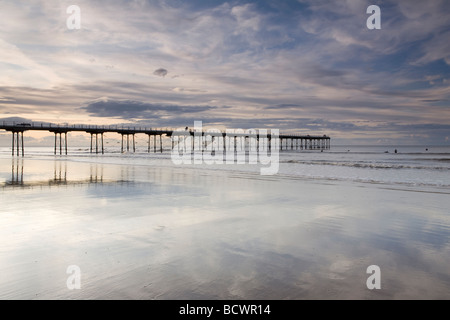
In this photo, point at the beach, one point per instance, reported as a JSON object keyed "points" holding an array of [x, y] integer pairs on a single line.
{"points": [[138, 227]]}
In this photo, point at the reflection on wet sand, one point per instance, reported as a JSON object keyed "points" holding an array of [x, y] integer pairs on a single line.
{"points": [[31, 173], [59, 176], [148, 232], [16, 172], [60, 173]]}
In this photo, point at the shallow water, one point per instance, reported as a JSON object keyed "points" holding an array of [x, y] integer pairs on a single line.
{"points": [[139, 227]]}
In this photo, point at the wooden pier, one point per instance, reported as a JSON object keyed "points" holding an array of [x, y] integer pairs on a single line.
{"points": [[286, 141]]}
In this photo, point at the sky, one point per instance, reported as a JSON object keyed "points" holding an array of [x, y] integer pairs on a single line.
{"points": [[306, 66]]}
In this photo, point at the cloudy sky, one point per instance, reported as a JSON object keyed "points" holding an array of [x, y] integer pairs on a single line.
{"points": [[306, 66]]}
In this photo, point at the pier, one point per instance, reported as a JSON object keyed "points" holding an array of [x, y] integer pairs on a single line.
{"points": [[286, 141]]}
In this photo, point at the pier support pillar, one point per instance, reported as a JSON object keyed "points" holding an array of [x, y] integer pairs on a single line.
{"points": [[97, 142], [128, 142], [58, 135], [17, 143]]}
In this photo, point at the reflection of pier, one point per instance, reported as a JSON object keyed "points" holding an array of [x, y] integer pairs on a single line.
{"points": [[288, 141], [59, 177], [96, 175], [59, 173], [16, 172]]}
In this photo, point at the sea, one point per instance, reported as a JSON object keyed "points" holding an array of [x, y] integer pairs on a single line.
{"points": [[352, 222]]}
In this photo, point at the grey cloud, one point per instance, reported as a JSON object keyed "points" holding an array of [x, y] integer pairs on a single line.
{"points": [[283, 106], [130, 109], [160, 72], [321, 72], [14, 119]]}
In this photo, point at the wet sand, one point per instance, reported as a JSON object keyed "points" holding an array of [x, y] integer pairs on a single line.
{"points": [[161, 232]]}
